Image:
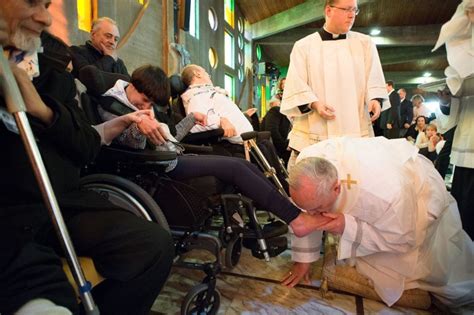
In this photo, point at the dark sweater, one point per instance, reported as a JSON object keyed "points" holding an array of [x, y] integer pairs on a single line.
{"points": [[88, 55]]}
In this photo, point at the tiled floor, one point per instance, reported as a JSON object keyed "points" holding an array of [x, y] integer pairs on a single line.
{"points": [[252, 287]]}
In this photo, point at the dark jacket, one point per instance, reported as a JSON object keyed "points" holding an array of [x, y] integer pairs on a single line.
{"points": [[279, 127], [88, 55], [66, 145], [406, 112], [391, 116]]}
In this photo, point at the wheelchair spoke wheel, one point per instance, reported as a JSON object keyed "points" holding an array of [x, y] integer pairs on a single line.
{"points": [[126, 195], [197, 301], [233, 252]]}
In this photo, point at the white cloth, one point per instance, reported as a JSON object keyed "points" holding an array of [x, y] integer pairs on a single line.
{"points": [[402, 227], [458, 35], [213, 101], [462, 153], [345, 74], [42, 307]]}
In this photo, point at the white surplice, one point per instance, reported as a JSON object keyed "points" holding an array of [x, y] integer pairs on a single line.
{"points": [[345, 74], [213, 101], [402, 227]]}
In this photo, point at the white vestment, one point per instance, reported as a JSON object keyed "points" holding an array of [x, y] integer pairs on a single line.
{"points": [[213, 101], [460, 79], [344, 74], [402, 227]]}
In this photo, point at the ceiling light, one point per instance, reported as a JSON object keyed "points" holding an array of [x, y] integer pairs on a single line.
{"points": [[427, 74], [375, 32]]}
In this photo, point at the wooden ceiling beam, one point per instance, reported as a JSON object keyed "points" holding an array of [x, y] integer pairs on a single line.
{"points": [[412, 77], [396, 55], [421, 35], [307, 12]]}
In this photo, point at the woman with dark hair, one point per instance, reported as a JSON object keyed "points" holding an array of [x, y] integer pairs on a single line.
{"points": [[416, 128]]}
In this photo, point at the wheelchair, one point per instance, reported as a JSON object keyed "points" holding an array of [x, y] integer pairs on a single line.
{"points": [[239, 207], [257, 146]]}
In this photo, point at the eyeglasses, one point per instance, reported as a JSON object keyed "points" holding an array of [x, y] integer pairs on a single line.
{"points": [[347, 10]]}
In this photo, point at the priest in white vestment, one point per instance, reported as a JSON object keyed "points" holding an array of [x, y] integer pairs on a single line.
{"points": [[396, 221], [458, 36], [334, 81]]}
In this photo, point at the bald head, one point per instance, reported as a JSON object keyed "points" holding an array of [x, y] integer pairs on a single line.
{"points": [[314, 184], [194, 74]]}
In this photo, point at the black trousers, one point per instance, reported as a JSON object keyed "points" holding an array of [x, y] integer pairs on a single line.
{"points": [[134, 256], [226, 148], [248, 179], [442, 163], [463, 191]]}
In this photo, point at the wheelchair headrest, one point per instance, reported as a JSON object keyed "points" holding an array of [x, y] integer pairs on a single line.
{"points": [[98, 81], [177, 85]]}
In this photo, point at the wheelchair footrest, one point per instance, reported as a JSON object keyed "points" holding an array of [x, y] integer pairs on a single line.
{"points": [[270, 230], [275, 246]]}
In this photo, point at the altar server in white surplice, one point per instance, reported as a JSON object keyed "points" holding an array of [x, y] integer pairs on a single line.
{"points": [[458, 36], [334, 80], [395, 219]]}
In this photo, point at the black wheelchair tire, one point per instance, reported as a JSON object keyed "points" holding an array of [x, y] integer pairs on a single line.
{"points": [[122, 189], [233, 252], [199, 292]]}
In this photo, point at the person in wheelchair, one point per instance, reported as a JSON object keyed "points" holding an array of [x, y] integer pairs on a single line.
{"points": [[134, 255], [202, 96], [150, 85]]}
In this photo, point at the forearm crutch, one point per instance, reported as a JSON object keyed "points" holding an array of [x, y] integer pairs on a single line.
{"points": [[16, 107], [250, 145]]}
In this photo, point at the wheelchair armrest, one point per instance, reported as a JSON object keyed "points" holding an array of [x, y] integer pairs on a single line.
{"points": [[264, 135], [117, 153], [210, 136], [197, 149], [249, 135]]}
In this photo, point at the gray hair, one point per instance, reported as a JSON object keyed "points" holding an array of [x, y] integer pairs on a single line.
{"points": [[418, 97], [96, 23], [316, 170]]}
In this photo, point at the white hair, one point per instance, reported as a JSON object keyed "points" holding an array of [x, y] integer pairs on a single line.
{"points": [[96, 23], [316, 170], [25, 41]]}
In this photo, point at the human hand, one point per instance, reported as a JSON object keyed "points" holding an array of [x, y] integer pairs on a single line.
{"points": [[336, 225], [325, 111], [374, 108], [406, 125], [299, 271], [109, 50], [33, 102], [152, 129], [229, 129], [306, 223], [200, 118], [389, 126], [137, 117], [444, 96], [249, 112]]}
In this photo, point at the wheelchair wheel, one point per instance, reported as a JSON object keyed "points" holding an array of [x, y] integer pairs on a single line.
{"points": [[127, 195], [195, 301], [233, 252]]}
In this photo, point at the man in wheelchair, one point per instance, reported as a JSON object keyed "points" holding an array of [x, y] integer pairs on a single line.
{"points": [[150, 85], [133, 255], [202, 96]]}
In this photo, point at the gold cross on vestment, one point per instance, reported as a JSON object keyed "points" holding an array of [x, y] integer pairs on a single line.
{"points": [[348, 181]]}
